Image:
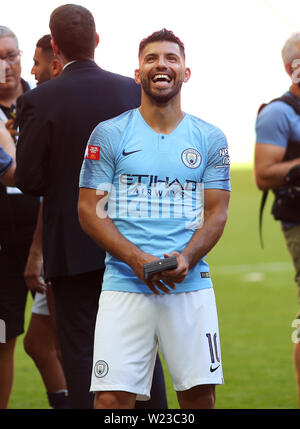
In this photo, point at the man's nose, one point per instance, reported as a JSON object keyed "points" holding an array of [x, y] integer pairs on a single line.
{"points": [[7, 65], [161, 62]]}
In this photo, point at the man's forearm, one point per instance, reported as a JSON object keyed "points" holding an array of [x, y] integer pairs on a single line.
{"points": [[106, 235], [102, 230], [8, 177], [37, 241], [205, 238], [7, 143], [273, 176]]}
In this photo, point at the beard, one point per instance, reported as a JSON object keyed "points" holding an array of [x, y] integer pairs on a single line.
{"points": [[44, 76], [160, 96]]}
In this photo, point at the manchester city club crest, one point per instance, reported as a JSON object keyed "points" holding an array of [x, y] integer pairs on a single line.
{"points": [[101, 369], [191, 158]]}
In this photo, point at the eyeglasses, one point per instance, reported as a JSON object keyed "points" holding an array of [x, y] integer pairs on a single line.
{"points": [[12, 58]]}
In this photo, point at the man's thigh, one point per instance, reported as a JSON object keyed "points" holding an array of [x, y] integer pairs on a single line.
{"points": [[292, 238], [13, 289], [189, 338], [125, 344]]}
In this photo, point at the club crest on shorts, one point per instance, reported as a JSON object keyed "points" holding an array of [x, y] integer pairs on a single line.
{"points": [[191, 158], [101, 369]]}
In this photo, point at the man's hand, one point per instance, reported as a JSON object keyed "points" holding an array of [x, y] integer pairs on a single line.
{"points": [[176, 275], [269, 168], [32, 274], [10, 128], [155, 284]]}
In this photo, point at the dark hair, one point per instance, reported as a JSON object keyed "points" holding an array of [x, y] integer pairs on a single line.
{"points": [[73, 30], [45, 44], [163, 35]]}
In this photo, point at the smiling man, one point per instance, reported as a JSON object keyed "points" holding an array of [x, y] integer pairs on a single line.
{"points": [[56, 120], [151, 165]]}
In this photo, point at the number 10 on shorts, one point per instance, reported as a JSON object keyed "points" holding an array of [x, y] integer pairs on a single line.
{"points": [[213, 349]]}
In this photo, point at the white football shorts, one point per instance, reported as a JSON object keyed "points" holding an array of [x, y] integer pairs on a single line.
{"points": [[131, 326], [40, 305]]}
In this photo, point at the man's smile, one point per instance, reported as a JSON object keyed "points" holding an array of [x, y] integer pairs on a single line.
{"points": [[161, 80]]}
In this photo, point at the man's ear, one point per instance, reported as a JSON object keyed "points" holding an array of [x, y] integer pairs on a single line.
{"points": [[97, 40], [137, 76], [55, 48], [187, 74], [55, 68], [289, 69]]}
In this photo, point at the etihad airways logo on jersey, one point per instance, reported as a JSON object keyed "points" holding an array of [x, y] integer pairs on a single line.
{"points": [[148, 196], [154, 183]]}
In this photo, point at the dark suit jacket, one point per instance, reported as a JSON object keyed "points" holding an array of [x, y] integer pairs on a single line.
{"points": [[56, 120]]}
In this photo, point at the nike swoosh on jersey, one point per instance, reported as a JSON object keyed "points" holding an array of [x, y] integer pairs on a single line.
{"points": [[129, 153], [214, 369]]}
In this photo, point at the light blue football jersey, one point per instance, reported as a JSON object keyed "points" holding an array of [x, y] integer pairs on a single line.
{"points": [[155, 184]]}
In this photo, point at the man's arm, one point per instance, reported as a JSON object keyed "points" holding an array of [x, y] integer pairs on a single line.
{"points": [[10, 128], [269, 169], [216, 204], [32, 148], [95, 222], [34, 264], [8, 145]]}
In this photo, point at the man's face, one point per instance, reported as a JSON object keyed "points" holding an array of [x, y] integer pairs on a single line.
{"points": [[161, 71], [41, 67], [8, 46]]}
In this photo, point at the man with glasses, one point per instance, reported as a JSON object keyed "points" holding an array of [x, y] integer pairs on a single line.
{"points": [[18, 215], [11, 83]]}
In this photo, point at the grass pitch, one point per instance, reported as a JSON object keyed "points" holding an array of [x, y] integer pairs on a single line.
{"points": [[257, 302]]}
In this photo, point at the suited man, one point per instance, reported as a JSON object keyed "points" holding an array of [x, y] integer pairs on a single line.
{"points": [[56, 119]]}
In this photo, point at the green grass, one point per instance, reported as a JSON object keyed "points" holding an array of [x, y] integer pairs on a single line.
{"points": [[256, 302]]}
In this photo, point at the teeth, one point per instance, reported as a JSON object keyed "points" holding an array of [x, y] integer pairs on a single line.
{"points": [[161, 76]]}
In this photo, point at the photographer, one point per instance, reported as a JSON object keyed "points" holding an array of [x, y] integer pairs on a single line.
{"points": [[277, 161]]}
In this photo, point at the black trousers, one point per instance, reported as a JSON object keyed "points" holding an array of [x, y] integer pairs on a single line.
{"points": [[13, 289], [76, 305]]}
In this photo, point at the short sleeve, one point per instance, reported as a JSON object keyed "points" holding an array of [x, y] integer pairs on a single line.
{"points": [[5, 161], [272, 124], [97, 171], [217, 172]]}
